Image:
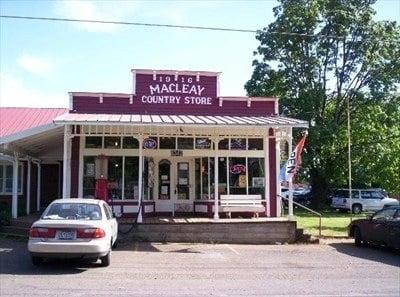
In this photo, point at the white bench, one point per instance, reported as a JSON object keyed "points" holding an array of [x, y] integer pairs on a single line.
{"points": [[241, 203]]}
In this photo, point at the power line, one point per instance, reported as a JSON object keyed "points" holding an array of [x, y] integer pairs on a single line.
{"points": [[164, 25]]}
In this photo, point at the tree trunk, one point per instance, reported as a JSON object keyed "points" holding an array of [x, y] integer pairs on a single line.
{"points": [[319, 188]]}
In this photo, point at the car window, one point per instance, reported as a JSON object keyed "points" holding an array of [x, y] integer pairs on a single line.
{"points": [[107, 212], [397, 215], [366, 195], [72, 211], [385, 214], [376, 195]]}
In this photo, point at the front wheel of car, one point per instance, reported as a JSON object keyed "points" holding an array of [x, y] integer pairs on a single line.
{"points": [[37, 260], [106, 260], [358, 241]]}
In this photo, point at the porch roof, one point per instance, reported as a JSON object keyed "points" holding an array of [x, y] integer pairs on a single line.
{"points": [[171, 120]]}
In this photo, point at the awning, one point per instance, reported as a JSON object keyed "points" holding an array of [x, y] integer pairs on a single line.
{"points": [[170, 120]]}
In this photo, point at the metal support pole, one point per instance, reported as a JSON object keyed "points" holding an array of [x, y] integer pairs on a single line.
{"points": [[140, 186], [14, 210], [28, 187], [65, 163], [290, 149], [38, 189], [216, 210], [266, 175], [277, 169]]}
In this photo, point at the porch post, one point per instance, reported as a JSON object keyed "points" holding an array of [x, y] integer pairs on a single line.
{"points": [[290, 142], [216, 214], [28, 187], [65, 163], [14, 205], [39, 187], [278, 182], [266, 175], [140, 200]]}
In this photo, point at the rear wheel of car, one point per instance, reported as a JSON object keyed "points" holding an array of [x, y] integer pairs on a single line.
{"points": [[358, 241], [37, 260], [357, 208], [106, 260]]}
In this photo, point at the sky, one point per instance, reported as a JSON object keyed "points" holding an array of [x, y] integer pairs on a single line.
{"points": [[40, 61]]}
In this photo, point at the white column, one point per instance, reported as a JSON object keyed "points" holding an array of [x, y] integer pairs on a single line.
{"points": [[216, 214], [290, 142], [65, 163], [38, 189], [278, 164], [140, 215], [28, 187], [14, 205], [266, 175]]}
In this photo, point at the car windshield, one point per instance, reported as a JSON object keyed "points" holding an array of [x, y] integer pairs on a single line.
{"points": [[72, 211]]}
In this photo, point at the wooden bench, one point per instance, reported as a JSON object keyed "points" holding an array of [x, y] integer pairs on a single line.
{"points": [[241, 203]]}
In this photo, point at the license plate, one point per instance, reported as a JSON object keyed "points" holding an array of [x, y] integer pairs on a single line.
{"points": [[66, 235]]}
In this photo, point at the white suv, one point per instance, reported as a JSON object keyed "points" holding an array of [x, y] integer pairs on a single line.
{"points": [[362, 200]]}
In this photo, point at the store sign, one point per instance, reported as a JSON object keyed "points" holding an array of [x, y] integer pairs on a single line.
{"points": [[237, 169], [165, 89], [149, 143]]}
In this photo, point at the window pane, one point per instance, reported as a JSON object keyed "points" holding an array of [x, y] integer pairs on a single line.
{"points": [[131, 177], [167, 143], [164, 180], [93, 141], [89, 181], [222, 182], [112, 142], [203, 143], [9, 174], [185, 143], [114, 177], [197, 182], [204, 176], [223, 144], [130, 143], [255, 144], [148, 178], [238, 143], [256, 175], [237, 175], [19, 178]]}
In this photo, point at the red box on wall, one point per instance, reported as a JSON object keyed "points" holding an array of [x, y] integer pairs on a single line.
{"points": [[101, 191]]}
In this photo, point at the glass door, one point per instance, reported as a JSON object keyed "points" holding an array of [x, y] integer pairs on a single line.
{"points": [[183, 181]]}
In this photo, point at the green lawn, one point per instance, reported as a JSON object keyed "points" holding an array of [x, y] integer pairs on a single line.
{"points": [[333, 223]]}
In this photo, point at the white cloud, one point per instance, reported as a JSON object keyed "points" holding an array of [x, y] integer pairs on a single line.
{"points": [[14, 93], [36, 65], [95, 10]]}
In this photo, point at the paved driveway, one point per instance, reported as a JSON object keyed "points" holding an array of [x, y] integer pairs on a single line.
{"points": [[144, 269]]}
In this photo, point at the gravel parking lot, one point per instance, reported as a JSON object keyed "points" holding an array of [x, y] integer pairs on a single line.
{"points": [[333, 268]]}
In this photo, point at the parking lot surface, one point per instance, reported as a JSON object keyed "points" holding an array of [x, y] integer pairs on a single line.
{"points": [[333, 268]]}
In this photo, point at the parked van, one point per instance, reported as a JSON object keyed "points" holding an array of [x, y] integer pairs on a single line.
{"points": [[362, 200]]}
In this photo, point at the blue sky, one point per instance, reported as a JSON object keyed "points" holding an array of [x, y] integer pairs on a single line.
{"points": [[40, 62]]}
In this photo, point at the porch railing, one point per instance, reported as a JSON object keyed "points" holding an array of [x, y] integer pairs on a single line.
{"points": [[304, 207]]}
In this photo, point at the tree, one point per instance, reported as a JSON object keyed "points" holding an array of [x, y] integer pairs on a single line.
{"points": [[337, 55]]}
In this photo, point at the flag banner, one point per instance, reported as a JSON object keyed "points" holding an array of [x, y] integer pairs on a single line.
{"points": [[289, 169]]}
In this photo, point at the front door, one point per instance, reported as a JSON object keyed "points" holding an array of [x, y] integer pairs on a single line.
{"points": [[184, 185]]}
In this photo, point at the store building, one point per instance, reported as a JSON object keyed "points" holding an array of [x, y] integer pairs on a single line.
{"points": [[173, 146]]}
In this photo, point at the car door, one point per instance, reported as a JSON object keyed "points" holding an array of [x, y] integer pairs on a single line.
{"points": [[393, 239], [379, 227], [111, 221]]}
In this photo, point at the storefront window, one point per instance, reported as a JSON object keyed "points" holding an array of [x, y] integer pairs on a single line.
{"points": [[130, 143], [167, 143], [112, 142], [6, 178], [93, 142], [131, 176], [256, 144], [197, 181], [148, 178], [238, 144], [256, 175], [185, 143], [205, 178], [164, 180], [222, 181], [237, 176], [89, 181], [9, 179], [223, 144], [115, 177], [203, 143]]}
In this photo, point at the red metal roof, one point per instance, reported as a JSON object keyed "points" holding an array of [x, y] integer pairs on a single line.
{"points": [[18, 119]]}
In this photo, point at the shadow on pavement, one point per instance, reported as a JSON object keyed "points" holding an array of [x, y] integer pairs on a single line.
{"points": [[372, 253], [15, 259], [150, 247]]}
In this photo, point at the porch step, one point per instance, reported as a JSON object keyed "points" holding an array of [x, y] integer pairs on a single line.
{"points": [[242, 233]]}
